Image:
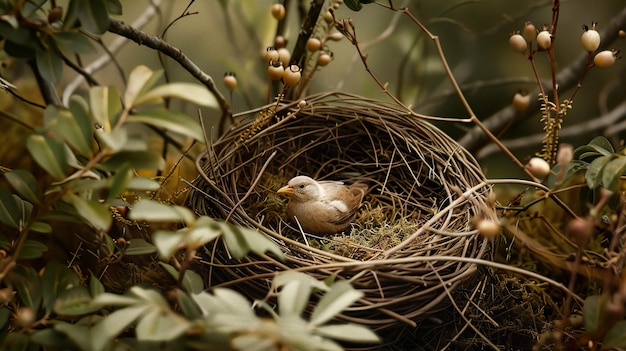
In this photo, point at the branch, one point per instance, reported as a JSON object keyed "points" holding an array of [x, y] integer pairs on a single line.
{"points": [[567, 78], [154, 42]]}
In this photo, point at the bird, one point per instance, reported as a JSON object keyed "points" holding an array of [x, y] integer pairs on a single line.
{"points": [[322, 207]]}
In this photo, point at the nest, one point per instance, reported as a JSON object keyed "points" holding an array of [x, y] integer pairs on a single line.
{"points": [[412, 244]]}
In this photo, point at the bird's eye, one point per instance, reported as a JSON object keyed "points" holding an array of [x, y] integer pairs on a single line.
{"points": [[301, 186]]}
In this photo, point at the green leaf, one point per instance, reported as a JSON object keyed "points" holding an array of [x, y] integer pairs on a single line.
{"points": [[115, 140], [167, 243], [592, 312], [74, 302], [192, 282], [27, 283], [176, 122], [80, 111], [114, 7], [139, 247], [24, 184], [348, 332], [340, 297], [32, 249], [108, 299], [240, 240], [5, 314], [283, 278], [615, 339], [79, 334], [74, 42], [134, 159], [95, 286], [200, 233], [143, 184], [41, 227], [72, 132], [49, 63], [602, 143], [612, 172], [594, 171], [113, 324], [250, 342], [187, 306], [93, 212], [154, 211], [140, 80], [119, 182], [191, 92], [93, 16], [105, 106], [56, 278], [9, 211], [157, 326], [234, 303], [49, 154], [293, 298], [354, 5]]}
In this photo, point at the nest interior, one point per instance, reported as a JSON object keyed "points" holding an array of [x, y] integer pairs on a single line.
{"points": [[412, 243]]}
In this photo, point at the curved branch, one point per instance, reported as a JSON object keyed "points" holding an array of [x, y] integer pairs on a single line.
{"points": [[567, 78], [156, 43]]}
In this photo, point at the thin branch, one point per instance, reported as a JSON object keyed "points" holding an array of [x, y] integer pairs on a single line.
{"points": [[154, 42]]}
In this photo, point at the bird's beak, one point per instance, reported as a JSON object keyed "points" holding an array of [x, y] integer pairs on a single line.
{"points": [[286, 190]]}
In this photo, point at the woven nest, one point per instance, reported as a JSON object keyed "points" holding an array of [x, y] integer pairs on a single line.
{"points": [[412, 243]]}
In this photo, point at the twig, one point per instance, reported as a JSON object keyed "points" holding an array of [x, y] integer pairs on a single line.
{"points": [[154, 42]]}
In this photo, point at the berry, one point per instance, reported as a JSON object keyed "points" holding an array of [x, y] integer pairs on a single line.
{"points": [[271, 54], [538, 167], [278, 11], [230, 81], [324, 58], [605, 58], [55, 14], [313, 44], [328, 17], [301, 104], [275, 70], [284, 56], [544, 40], [518, 43], [521, 101], [292, 75], [529, 32], [488, 228], [591, 38]]}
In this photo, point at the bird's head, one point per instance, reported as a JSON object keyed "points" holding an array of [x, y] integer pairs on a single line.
{"points": [[302, 188]]}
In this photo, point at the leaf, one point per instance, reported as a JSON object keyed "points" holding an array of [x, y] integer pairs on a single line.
{"points": [[615, 338], [49, 63], [32, 249], [109, 299], [250, 342], [115, 140], [191, 92], [134, 159], [93, 212], [348, 332], [114, 7], [113, 324], [27, 283], [79, 334], [41, 227], [293, 298], [187, 306], [592, 312], [285, 277], [9, 211], [80, 113], [140, 80], [143, 184], [150, 210], [95, 286], [340, 296], [74, 302], [176, 122], [612, 172], [56, 278], [74, 42], [240, 240], [603, 144], [167, 243], [594, 171], [192, 282], [24, 184], [105, 106], [119, 182], [93, 16], [49, 154], [72, 132], [139, 247], [200, 233], [157, 326], [354, 5]]}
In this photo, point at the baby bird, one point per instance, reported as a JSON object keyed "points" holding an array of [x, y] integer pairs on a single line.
{"points": [[322, 207]]}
